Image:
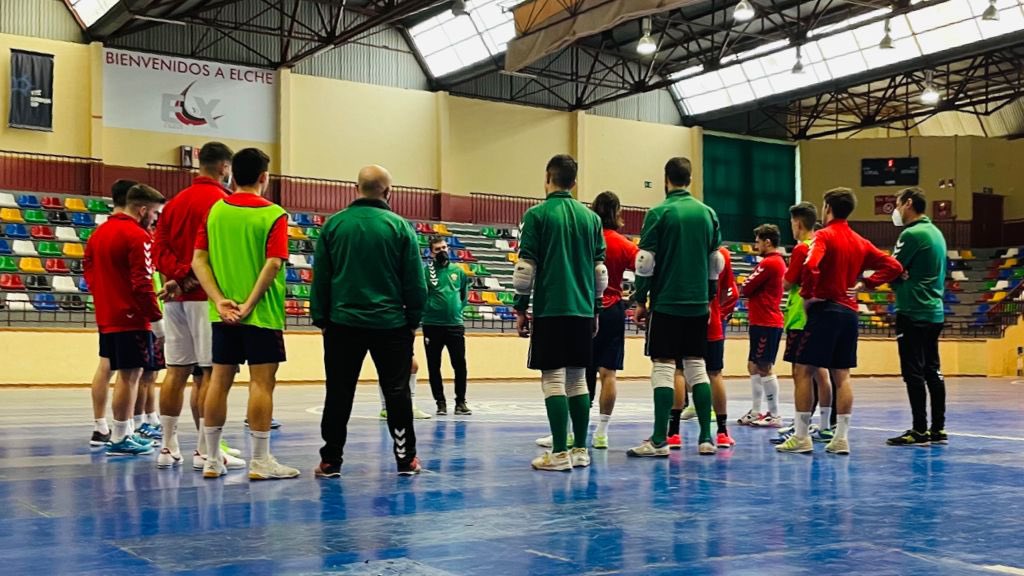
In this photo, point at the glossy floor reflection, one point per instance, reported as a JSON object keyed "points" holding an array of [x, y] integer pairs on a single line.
{"points": [[478, 508]]}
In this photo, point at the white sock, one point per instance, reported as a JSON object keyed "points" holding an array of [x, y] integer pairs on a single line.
{"points": [[771, 392], [212, 434], [803, 422], [756, 391], [100, 425], [170, 426], [826, 417], [152, 418], [203, 447], [136, 421], [842, 425], [260, 445], [602, 425], [412, 385], [121, 430]]}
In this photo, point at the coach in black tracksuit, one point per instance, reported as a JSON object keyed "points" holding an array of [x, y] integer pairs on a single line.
{"points": [[447, 295]]}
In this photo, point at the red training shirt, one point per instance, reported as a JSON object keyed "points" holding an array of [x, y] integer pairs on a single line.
{"points": [[277, 240], [837, 260], [763, 291], [728, 294], [177, 228], [620, 255], [796, 263], [118, 267]]}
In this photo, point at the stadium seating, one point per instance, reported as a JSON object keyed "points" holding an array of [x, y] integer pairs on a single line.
{"points": [[72, 204], [35, 216], [97, 206], [80, 219], [24, 248], [66, 234], [11, 282], [83, 286], [72, 303], [54, 249], [44, 302], [5, 247], [71, 250], [52, 203], [27, 201], [64, 284], [31, 265], [37, 282], [56, 266], [7, 264], [16, 231], [43, 233], [7, 200], [58, 217], [18, 302], [11, 215]]}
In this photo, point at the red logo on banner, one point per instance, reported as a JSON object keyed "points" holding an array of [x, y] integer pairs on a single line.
{"points": [[885, 204]]}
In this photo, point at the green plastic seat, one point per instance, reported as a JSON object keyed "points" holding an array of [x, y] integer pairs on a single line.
{"points": [[49, 249], [85, 233], [89, 304], [507, 298], [7, 264], [97, 206], [489, 232], [35, 217], [312, 233], [295, 246], [479, 270], [422, 240], [302, 291]]}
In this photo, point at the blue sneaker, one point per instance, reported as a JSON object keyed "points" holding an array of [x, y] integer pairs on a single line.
{"points": [[141, 440], [823, 435], [129, 447], [151, 432]]}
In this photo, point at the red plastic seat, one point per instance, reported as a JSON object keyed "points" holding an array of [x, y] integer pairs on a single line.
{"points": [[475, 298], [318, 220], [56, 266], [52, 203], [294, 308], [465, 256], [306, 275], [11, 282], [43, 233]]}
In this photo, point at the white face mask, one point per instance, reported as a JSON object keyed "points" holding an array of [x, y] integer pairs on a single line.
{"points": [[897, 218]]}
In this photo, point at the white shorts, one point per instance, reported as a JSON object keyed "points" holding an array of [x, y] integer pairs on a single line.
{"points": [[188, 333], [158, 329]]}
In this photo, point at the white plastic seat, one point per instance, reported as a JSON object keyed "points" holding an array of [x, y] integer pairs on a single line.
{"points": [[24, 248], [19, 302], [298, 261], [7, 200], [1001, 285], [64, 284], [502, 244], [959, 276], [101, 218], [66, 234], [953, 254], [1011, 253]]}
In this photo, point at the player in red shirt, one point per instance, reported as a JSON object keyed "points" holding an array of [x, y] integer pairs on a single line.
{"points": [[188, 336], [119, 271], [763, 291], [837, 261]]}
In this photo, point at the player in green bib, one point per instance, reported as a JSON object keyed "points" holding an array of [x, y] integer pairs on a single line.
{"points": [[239, 260]]}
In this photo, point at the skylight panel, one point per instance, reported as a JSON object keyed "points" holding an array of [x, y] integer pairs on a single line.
{"points": [[90, 11], [822, 30], [940, 15], [949, 37], [449, 43]]}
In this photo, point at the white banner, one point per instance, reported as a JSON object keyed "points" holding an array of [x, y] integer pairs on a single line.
{"points": [[182, 96]]}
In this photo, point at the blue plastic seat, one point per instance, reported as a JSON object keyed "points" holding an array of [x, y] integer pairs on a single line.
{"points": [[44, 302], [83, 286], [28, 201], [82, 219], [951, 298], [454, 242], [292, 276], [17, 231], [453, 256], [5, 248], [303, 219]]}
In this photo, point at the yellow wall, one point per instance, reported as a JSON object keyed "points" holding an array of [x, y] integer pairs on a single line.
{"points": [[996, 164], [337, 127], [827, 164], [620, 155], [124, 147], [71, 106]]}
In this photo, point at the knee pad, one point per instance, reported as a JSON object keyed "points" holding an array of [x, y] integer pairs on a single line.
{"points": [[575, 382], [716, 263], [522, 277], [644, 265], [552, 382], [663, 375], [695, 372], [600, 279]]}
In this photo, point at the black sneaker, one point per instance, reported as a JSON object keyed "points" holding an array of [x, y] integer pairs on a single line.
{"points": [[910, 438], [327, 470], [939, 437], [410, 468], [99, 439], [442, 409], [462, 409]]}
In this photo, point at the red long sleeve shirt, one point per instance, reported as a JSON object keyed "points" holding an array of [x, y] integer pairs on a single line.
{"points": [[178, 227], [837, 260], [725, 303], [620, 255], [763, 291], [118, 267]]}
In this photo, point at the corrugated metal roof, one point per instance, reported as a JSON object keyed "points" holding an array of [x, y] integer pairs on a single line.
{"points": [[49, 19], [1007, 121], [657, 106]]}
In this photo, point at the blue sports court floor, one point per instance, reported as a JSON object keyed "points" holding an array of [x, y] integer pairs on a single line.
{"points": [[478, 508]]}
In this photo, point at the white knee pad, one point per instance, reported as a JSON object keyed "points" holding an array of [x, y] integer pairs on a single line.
{"points": [[644, 265], [716, 263], [600, 279], [522, 277], [695, 372], [663, 375], [575, 382], [552, 382]]}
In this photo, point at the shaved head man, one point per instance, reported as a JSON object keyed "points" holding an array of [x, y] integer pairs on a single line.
{"points": [[375, 182]]}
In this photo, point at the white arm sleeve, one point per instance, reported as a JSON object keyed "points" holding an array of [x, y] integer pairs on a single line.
{"points": [[644, 263], [600, 279], [522, 277], [716, 263]]}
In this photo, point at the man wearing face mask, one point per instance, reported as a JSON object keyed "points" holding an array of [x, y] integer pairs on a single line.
{"points": [[118, 268], [447, 295], [921, 250]]}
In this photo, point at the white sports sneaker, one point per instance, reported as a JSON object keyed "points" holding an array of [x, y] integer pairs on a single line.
{"points": [[270, 469], [229, 461], [748, 419], [214, 469], [689, 413], [545, 442], [768, 420], [796, 445], [838, 446], [707, 449], [198, 460], [557, 462], [648, 449], [580, 457], [420, 414], [225, 449], [168, 459]]}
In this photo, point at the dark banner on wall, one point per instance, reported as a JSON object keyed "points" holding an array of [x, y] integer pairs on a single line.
{"points": [[31, 91]]}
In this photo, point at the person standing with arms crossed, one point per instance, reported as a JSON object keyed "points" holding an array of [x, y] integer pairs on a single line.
{"points": [[443, 327], [920, 315], [561, 262], [368, 296], [677, 267]]}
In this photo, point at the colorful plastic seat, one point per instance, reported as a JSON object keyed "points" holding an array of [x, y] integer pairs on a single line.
{"points": [[302, 219], [37, 283], [97, 206], [466, 255], [83, 286], [24, 248], [8, 200], [53, 249], [44, 302], [36, 216], [16, 231], [11, 282], [56, 266], [318, 220], [5, 247], [7, 264], [296, 233], [11, 215], [64, 284], [31, 265], [312, 233], [85, 233], [58, 217], [291, 275], [294, 246], [75, 205], [479, 270], [306, 276], [75, 266], [71, 250], [43, 233], [82, 219], [66, 234], [72, 302], [28, 201], [52, 203], [442, 229], [474, 298]]}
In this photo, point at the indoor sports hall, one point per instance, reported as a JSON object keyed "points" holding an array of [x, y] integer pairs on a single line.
{"points": [[482, 138]]}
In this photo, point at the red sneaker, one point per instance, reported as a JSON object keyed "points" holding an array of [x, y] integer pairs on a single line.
{"points": [[675, 442], [725, 441], [410, 469]]}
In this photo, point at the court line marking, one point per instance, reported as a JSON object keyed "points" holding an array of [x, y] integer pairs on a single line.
{"points": [[1005, 569], [964, 434], [546, 555]]}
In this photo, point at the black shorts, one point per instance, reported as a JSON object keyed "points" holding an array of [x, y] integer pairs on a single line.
{"points": [[676, 337], [561, 342], [830, 337], [764, 344], [793, 338], [610, 342], [157, 363], [127, 350], [241, 343], [714, 360]]}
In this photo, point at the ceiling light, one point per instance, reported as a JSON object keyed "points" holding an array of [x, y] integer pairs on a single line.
{"points": [[991, 14], [929, 96], [459, 8], [886, 43], [743, 12], [798, 68], [646, 46]]}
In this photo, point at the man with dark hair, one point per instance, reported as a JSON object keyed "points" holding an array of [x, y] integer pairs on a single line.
{"points": [[188, 342], [920, 314], [368, 296], [239, 261], [443, 327], [101, 378], [118, 269], [677, 266], [561, 263], [837, 260], [763, 291]]}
